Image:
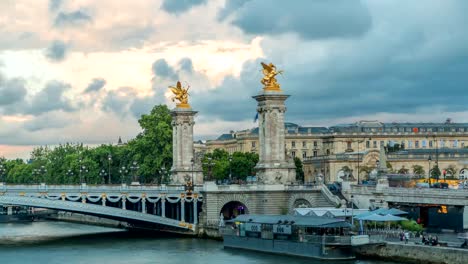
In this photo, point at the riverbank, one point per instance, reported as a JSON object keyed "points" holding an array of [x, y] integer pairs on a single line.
{"points": [[408, 253]]}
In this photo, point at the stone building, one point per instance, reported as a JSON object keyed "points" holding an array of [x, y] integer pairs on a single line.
{"points": [[355, 147]]}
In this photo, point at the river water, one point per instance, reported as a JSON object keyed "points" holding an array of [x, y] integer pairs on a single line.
{"points": [[60, 242]]}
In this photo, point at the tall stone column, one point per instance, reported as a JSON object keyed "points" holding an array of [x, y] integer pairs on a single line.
{"points": [[182, 145], [274, 167]]}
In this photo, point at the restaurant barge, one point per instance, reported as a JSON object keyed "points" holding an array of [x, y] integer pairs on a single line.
{"points": [[306, 236]]}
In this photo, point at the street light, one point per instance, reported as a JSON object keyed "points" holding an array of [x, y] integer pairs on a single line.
{"points": [[109, 158], [352, 211], [83, 169], [429, 171], [210, 164], [39, 172], [230, 168], [2, 172], [123, 171], [70, 176], [134, 169], [103, 174], [163, 174]]}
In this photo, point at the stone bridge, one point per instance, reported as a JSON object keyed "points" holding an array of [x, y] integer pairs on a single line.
{"points": [[165, 206]]}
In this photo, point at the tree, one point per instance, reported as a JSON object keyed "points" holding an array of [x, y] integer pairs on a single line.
{"points": [[241, 165], [418, 170], [299, 169], [450, 171], [403, 170], [389, 166], [152, 148], [435, 172]]}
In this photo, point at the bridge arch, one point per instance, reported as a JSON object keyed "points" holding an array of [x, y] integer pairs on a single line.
{"points": [[299, 200], [231, 202]]}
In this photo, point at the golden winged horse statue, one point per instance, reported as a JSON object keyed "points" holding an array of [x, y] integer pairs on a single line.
{"points": [[180, 94], [269, 80]]}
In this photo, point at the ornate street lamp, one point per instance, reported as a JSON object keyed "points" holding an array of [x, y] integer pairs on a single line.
{"points": [[103, 174], [70, 176], [123, 172], [134, 169], [85, 170], [230, 169], [109, 158], [210, 165], [163, 174], [2, 173], [429, 171]]}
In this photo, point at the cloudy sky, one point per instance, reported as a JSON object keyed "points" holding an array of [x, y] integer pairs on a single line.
{"points": [[85, 70]]}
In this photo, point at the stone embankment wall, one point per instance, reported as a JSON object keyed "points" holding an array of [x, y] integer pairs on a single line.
{"points": [[414, 253], [86, 219]]}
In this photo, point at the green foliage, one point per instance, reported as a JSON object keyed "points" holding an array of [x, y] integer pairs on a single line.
{"points": [[366, 170], [435, 172], [389, 166], [411, 225], [403, 170], [299, 169], [418, 170], [151, 149], [216, 165]]}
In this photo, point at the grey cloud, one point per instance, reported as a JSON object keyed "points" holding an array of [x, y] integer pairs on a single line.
{"points": [[119, 100], [56, 51], [141, 106], [162, 69], [51, 98], [186, 65], [12, 91], [180, 6], [75, 18], [55, 5], [95, 85], [309, 19], [47, 121]]}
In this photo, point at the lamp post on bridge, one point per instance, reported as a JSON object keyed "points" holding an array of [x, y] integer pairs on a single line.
{"points": [[70, 176], [103, 174], [210, 165], [429, 171], [39, 173], [163, 175], [135, 169], [123, 172], [2, 173], [85, 170], [230, 169], [109, 158]]}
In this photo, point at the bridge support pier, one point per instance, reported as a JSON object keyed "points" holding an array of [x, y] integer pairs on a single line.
{"points": [[195, 211], [163, 206], [143, 205], [182, 210]]}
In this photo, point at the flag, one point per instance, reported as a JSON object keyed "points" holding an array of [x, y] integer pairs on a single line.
{"points": [[256, 118]]}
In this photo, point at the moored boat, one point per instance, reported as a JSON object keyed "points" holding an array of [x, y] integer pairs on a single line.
{"points": [[305, 236]]}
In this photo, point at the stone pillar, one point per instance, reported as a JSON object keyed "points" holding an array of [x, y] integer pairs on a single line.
{"points": [[163, 206], [182, 210], [143, 205], [124, 205], [274, 167], [103, 200], [182, 147]]}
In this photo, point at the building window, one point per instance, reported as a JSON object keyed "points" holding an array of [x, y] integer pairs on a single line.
{"points": [[410, 144], [424, 143], [304, 144], [442, 143], [293, 154], [315, 153], [455, 143], [416, 144], [315, 143], [422, 129], [430, 143], [367, 144], [375, 144], [328, 152], [304, 155], [253, 144], [293, 144], [429, 129], [382, 143], [441, 129], [348, 145]]}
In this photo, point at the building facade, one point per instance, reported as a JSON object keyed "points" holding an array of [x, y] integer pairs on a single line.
{"points": [[335, 151]]}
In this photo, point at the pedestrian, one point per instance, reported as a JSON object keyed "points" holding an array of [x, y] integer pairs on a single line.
{"points": [[406, 237]]}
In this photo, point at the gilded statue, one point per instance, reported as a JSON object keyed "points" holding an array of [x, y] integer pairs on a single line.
{"points": [[181, 95], [269, 80]]}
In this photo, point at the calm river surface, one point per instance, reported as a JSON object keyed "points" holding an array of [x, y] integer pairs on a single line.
{"points": [[59, 242]]}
